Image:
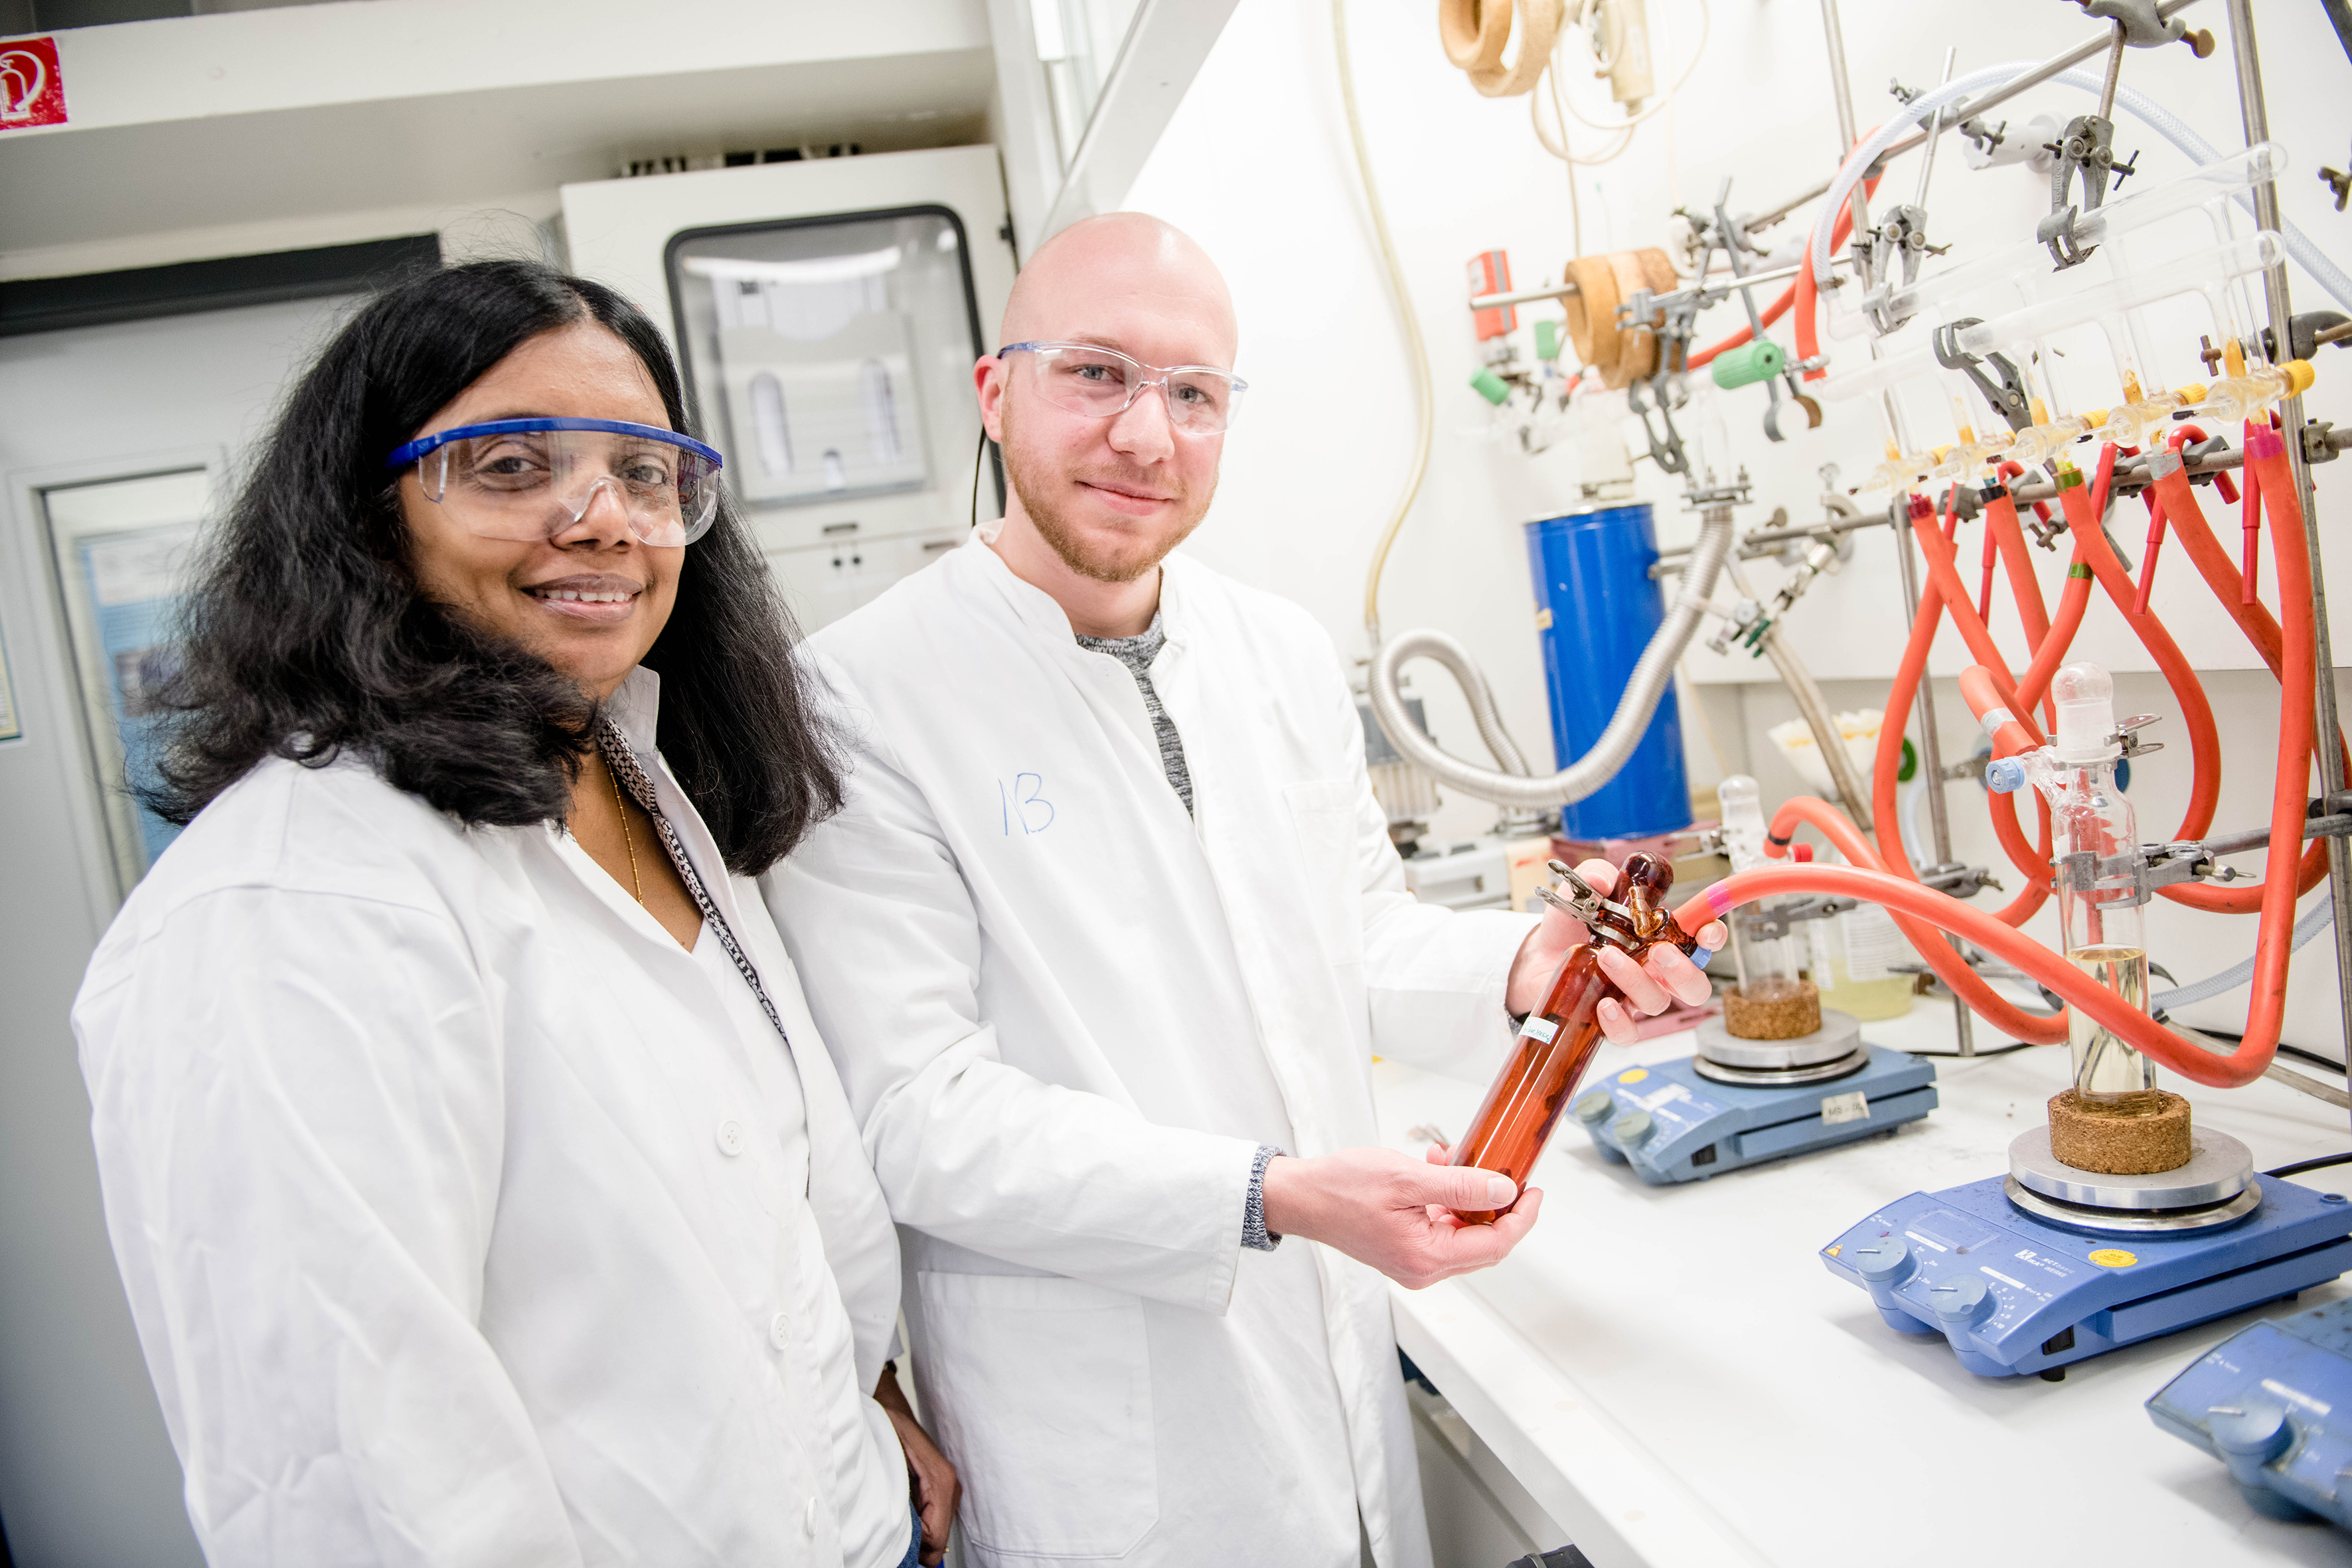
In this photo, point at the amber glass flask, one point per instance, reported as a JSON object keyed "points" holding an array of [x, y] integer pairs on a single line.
{"points": [[1557, 1042]]}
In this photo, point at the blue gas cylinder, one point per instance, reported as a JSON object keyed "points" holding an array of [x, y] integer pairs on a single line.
{"points": [[1597, 607]]}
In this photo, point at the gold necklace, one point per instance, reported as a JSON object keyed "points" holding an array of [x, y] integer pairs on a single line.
{"points": [[636, 887]]}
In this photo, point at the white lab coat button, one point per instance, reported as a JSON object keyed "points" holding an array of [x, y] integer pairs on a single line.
{"points": [[730, 1137], [808, 1518], [780, 1330]]}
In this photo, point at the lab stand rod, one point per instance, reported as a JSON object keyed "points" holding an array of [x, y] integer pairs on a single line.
{"points": [[1568, 290], [2114, 76], [2256, 115], [1935, 125], [1767, 219], [1931, 758], [1841, 95], [2338, 825]]}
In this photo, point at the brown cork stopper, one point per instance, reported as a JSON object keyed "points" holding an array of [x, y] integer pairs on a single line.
{"points": [[1796, 1011], [2120, 1146]]}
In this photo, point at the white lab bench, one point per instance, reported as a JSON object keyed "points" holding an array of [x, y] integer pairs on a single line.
{"points": [[1676, 1377]]}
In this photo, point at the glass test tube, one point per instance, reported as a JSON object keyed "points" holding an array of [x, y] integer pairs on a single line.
{"points": [[2104, 930], [1768, 965]]}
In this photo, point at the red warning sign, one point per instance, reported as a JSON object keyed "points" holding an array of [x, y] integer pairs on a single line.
{"points": [[32, 92]]}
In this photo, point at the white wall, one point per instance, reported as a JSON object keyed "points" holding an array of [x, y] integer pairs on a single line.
{"points": [[1256, 166]]}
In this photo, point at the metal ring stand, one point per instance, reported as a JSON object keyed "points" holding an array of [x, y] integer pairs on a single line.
{"points": [[1833, 1050], [2215, 1187]]}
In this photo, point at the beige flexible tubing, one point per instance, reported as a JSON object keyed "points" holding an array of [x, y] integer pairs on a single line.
{"points": [[1475, 32], [1416, 351], [1538, 25]]}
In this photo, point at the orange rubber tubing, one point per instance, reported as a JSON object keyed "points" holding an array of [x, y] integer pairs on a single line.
{"points": [[2187, 520], [2001, 519], [1806, 293], [1887, 764], [1987, 698], [2266, 458], [2266, 463], [2204, 742], [2033, 686], [1943, 571], [1906, 899], [1915, 921], [2010, 736]]}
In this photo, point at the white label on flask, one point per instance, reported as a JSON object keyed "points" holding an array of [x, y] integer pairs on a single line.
{"points": [[1539, 1029], [1837, 1107], [1872, 945]]}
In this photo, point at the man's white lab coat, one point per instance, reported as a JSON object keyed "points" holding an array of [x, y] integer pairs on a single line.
{"points": [[456, 1208], [1066, 1015]]}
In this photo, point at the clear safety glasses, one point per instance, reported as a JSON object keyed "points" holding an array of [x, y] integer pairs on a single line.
{"points": [[1104, 382], [533, 478]]}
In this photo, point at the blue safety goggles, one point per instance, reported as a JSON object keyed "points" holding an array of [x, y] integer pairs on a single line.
{"points": [[533, 478]]}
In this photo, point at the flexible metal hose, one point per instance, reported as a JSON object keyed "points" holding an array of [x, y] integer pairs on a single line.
{"points": [[1818, 720], [1815, 708], [1587, 773]]}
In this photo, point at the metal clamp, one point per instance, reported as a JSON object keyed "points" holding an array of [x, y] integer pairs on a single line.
{"points": [[1901, 235], [2126, 735], [2009, 396], [1746, 623], [2145, 26], [1758, 923], [1958, 881], [2086, 148], [2133, 876], [1667, 454], [1584, 902]]}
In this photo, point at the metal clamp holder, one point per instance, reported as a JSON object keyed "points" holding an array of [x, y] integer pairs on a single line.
{"points": [[1760, 924], [2126, 735], [1667, 454], [1584, 902], [2085, 149], [1959, 880], [1901, 235], [2133, 876], [2009, 396]]}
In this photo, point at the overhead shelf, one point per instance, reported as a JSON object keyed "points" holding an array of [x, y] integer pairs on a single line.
{"points": [[225, 134]]}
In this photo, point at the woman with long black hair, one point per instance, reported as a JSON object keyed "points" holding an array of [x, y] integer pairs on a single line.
{"points": [[483, 1191]]}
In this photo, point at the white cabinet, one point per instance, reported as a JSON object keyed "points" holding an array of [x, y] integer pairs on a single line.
{"points": [[827, 315]]}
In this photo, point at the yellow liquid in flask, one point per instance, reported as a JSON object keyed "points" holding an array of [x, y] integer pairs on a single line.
{"points": [[2111, 1077]]}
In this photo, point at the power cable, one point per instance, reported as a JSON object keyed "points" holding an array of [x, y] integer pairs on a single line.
{"points": [[2300, 1166]]}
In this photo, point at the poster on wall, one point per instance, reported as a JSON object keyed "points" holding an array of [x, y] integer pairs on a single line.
{"points": [[132, 581], [122, 549]]}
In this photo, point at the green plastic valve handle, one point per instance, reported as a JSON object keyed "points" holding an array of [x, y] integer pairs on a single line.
{"points": [[1748, 364], [1491, 387], [1547, 340]]}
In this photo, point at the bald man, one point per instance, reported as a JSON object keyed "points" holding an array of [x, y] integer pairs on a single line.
{"points": [[1104, 941]]}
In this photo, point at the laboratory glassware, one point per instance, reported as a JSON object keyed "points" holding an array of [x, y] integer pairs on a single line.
{"points": [[1557, 1042]]}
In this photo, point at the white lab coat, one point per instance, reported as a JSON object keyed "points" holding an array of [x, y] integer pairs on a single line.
{"points": [[454, 1208], [1066, 1015]]}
